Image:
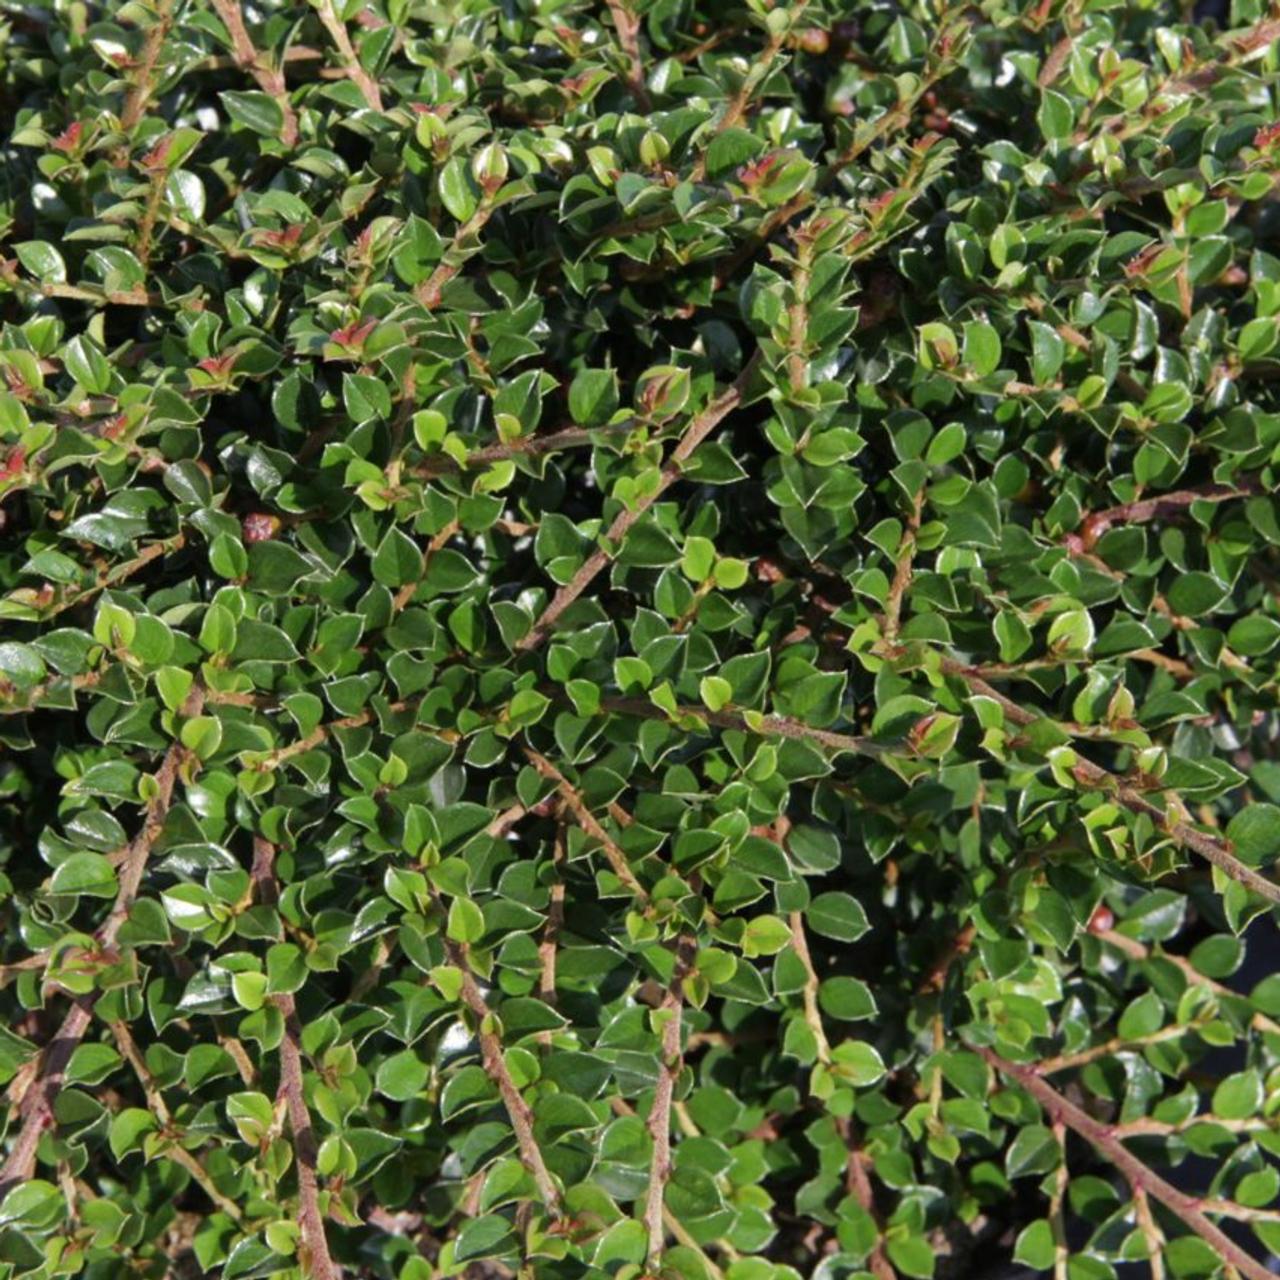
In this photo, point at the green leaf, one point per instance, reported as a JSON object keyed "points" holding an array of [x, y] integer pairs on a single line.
{"points": [[254, 110], [1239, 1096], [837, 915], [21, 665], [1254, 834], [1055, 115], [458, 189], [1143, 1017], [365, 397], [982, 350], [398, 560], [402, 1076], [490, 1236], [848, 999], [593, 396], [716, 692], [88, 874], [466, 923]]}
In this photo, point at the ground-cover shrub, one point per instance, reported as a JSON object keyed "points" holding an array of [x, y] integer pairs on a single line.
{"points": [[639, 639]]}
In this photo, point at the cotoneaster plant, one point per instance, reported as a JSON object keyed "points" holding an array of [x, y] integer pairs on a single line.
{"points": [[639, 639]]}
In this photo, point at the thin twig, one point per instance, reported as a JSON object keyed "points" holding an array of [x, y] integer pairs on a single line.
{"points": [[1081, 1058], [660, 1114], [337, 30], [673, 1224], [698, 429], [812, 1013], [314, 1253], [1138, 951], [755, 76], [1161, 507], [573, 800], [36, 1106], [270, 79], [495, 1065], [429, 292], [859, 1184], [140, 88], [798, 314], [765, 725], [528, 446], [160, 1109], [1057, 1206], [903, 570], [1212, 849], [627, 25], [1189, 1209], [550, 940]]}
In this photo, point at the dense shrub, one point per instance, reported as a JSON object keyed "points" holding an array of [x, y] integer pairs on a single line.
{"points": [[639, 640]]}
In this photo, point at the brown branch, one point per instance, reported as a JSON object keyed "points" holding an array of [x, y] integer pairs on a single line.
{"points": [[781, 726], [677, 1228], [270, 79], [160, 1109], [756, 74], [529, 446], [337, 30], [859, 1184], [627, 25], [551, 930], [576, 805], [1082, 1057], [120, 573], [1189, 1209], [139, 92], [410, 589], [495, 1066], [314, 1252], [428, 293], [36, 1105], [1136, 950], [698, 429], [664, 1092], [903, 570], [798, 315], [1212, 849], [1161, 507], [812, 1013], [120, 297]]}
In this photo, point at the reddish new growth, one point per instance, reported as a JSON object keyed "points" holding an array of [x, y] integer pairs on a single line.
{"points": [[17, 384], [286, 239], [352, 336], [1138, 266], [1266, 136], [69, 139], [218, 366], [15, 464], [882, 203], [156, 160], [259, 527], [758, 171]]}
